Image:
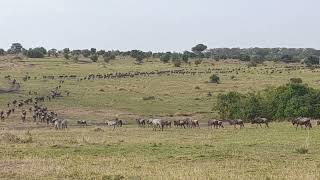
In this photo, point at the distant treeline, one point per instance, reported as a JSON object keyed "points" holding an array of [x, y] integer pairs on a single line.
{"points": [[288, 101], [253, 55]]}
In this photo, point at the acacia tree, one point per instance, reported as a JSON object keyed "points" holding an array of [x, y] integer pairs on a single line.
{"points": [[53, 52], [198, 50], [165, 58], [15, 48], [138, 55]]}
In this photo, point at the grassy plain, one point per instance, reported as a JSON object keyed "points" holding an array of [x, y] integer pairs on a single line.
{"points": [[29, 151]]}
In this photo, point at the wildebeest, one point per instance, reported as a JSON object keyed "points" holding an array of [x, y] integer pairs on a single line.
{"points": [[157, 123], [115, 123], [141, 122], [181, 123], [215, 123], [236, 122], [195, 123], [300, 121], [64, 124], [82, 123], [318, 123], [259, 121], [167, 123]]}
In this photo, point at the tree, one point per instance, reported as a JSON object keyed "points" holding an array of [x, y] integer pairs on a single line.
{"points": [[2, 51], [287, 58], [15, 48], [107, 57], [165, 58], [42, 50], [53, 52], [138, 55], [185, 57], [35, 53], [101, 52], [66, 52], [198, 49], [94, 57], [263, 52], [66, 56], [86, 53], [244, 57], [215, 79], [312, 60], [93, 50]]}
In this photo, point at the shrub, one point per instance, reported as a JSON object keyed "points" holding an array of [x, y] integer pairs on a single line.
{"points": [[177, 63], [36, 53], [94, 58], [288, 101], [198, 61], [165, 58], [215, 79], [296, 80]]}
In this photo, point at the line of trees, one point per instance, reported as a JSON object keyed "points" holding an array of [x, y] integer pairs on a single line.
{"points": [[253, 55], [288, 101]]}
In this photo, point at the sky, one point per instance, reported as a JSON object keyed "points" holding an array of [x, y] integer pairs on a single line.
{"points": [[159, 25]]}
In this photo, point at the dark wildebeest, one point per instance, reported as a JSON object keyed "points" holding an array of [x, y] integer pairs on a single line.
{"points": [[215, 123], [300, 121], [259, 121], [82, 123], [141, 122], [167, 123], [181, 123], [318, 123], [115, 123], [236, 122]]}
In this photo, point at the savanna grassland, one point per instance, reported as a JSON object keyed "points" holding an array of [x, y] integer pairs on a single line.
{"points": [[34, 151]]}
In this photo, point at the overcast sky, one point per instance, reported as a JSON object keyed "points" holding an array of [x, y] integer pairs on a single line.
{"points": [[159, 25]]}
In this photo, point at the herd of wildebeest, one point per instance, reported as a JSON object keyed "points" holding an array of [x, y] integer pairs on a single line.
{"points": [[41, 114]]}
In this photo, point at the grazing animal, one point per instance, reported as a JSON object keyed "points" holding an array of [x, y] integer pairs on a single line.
{"points": [[236, 122], [181, 123], [115, 123], [318, 123], [82, 123], [167, 124], [57, 123], [259, 121], [141, 122], [195, 123], [215, 123], [64, 124], [300, 121], [158, 123]]}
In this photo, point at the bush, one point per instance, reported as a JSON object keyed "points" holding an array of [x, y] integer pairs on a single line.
{"points": [[66, 56], [312, 60], [296, 80], [177, 63], [165, 58], [198, 61], [94, 58], [215, 79], [36, 53], [108, 57], [288, 101]]}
